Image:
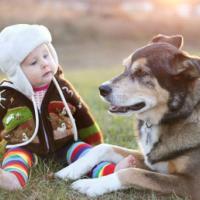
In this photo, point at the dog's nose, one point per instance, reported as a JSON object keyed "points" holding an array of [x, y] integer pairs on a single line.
{"points": [[105, 90]]}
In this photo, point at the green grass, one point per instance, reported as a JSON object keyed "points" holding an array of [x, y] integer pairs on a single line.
{"points": [[117, 130]]}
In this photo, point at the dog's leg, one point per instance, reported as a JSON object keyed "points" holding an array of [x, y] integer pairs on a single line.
{"points": [[133, 177], [98, 186], [102, 152], [164, 183]]}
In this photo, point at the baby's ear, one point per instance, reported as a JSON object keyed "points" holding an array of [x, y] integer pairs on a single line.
{"points": [[175, 40]]}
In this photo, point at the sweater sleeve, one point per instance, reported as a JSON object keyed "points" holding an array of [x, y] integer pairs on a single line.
{"points": [[88, 129]]}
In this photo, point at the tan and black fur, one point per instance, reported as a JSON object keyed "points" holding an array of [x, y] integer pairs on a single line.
{"points": [[163, 70], [161, 87]]}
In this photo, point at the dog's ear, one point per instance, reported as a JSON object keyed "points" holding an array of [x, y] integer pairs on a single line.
{"points": [[185, 64], [175, 40]]}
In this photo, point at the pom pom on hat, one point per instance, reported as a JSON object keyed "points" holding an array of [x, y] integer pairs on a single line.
{"points": [[16, 42]]}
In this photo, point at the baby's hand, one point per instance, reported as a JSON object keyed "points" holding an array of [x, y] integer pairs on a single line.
{"points": [[127, 162]]}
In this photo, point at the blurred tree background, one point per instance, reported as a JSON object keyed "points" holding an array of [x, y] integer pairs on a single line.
{"points": [[101, 33]]}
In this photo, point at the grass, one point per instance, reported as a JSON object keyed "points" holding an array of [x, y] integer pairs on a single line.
{"points": [[117, 130]]}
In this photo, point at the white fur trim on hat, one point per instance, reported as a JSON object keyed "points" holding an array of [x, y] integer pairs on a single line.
{"points": [[16, 42]]}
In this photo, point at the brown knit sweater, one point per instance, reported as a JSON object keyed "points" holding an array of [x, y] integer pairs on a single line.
{"points": [[55, 129]]}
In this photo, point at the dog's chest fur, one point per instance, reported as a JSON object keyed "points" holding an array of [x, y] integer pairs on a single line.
{"points": [[148, 136]]}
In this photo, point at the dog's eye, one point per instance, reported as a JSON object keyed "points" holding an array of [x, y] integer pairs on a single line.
{"points": [[140, 73]]}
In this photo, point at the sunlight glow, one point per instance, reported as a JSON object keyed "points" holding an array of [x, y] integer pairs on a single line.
{"points": [[170, 2]]}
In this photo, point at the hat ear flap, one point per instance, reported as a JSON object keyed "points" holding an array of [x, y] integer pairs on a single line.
{"points": [[53, 54], [175, 40], [186, 64], [21, 82]]}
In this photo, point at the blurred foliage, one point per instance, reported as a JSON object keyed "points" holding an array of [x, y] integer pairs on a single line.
{"points": [[86, 39]]}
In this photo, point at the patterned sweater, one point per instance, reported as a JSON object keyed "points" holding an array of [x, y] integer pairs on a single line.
{"points": [[55, 129]]}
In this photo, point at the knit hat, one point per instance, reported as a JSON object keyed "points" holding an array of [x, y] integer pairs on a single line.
{"points": [[16, 42]]}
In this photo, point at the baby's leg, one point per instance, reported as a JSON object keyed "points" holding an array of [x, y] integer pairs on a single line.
{"points": [[15, 166], [127, 162]]}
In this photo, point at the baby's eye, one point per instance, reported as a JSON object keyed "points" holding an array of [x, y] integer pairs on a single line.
{"points": [[34, 62], [45, 55]]}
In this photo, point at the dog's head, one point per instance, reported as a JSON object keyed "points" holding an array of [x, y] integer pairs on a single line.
{"points": [[155, 81]]}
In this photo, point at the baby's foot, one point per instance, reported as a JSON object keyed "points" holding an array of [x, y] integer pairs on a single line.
{"points": [[9, 181], [127, 162]]}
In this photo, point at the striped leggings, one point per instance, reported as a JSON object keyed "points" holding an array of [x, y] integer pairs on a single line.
{"points": [[19, 160]]}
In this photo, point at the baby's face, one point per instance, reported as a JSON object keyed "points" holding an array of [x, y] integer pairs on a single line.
{"points": [[39, 66]]}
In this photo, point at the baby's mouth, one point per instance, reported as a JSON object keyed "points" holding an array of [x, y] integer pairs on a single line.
{"points": [[47, 73]]}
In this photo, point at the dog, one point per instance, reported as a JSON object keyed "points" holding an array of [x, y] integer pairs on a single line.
{"points": [[161, 87]]}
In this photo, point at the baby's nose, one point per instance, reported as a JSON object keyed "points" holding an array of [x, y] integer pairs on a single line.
{"points": [[44, 64]]}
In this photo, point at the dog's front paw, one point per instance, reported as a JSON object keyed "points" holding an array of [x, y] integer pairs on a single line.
{"points": [[75, 170], [68, 173], [97, 186]]}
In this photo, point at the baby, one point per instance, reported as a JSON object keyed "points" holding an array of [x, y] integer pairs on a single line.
{"points": [[41, 114]]}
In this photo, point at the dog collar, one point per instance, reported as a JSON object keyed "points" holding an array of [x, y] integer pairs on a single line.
{"points": [[148, 124]]}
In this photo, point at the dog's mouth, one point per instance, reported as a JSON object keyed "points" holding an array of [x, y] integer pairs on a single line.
{"points": [[124, 109]]}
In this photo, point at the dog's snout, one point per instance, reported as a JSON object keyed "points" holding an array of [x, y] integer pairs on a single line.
{"points": [[105, 90]]}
